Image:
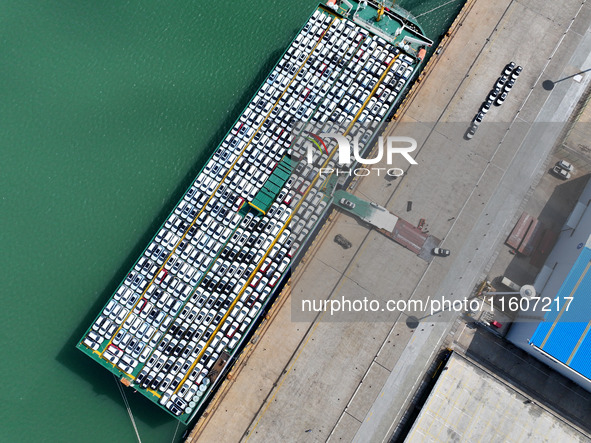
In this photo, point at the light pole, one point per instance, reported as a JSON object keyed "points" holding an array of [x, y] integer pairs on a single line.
{"points": [[526, 291]]}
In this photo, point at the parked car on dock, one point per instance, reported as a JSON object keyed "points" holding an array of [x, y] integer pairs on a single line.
{"points": [[493, 94], [516, 72], [561, 173], [478, 119], [501, 98], [440, 252], [342, 241], [509, 68], [565, 165]]}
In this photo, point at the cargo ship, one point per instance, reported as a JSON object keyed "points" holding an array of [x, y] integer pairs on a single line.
{"points": [[178, 321]]}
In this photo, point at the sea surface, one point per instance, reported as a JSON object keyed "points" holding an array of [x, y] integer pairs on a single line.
{"points": [[108, 110]]}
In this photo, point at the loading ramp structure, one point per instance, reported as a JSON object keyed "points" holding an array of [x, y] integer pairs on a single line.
{"points": [[388, 224]]}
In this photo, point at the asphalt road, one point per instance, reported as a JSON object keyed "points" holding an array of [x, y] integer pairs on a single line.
{"points": [[490, 228]]}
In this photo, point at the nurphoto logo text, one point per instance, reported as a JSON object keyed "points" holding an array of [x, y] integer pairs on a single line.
{"points": [[388, 147]]}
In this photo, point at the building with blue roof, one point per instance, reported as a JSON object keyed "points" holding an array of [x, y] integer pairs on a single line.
{"points": [[558, 330]]}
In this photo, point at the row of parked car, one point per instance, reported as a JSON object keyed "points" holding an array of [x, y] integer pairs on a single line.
{"points": [[367, 63], [190, 332], [361, 61], [191, 296], [497, 95], [562, 169], [349, 93]]}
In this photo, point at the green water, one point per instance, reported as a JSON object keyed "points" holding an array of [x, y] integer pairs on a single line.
{"points": [[107, 111]]}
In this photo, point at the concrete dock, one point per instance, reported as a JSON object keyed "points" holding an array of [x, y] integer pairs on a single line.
{"points": [[349, 378]]}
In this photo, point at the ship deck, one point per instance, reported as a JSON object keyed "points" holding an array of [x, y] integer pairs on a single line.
{"points": [[176, 323]]}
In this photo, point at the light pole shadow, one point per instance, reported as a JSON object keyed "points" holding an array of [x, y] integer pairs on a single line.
{"points": [[548, 85]]}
